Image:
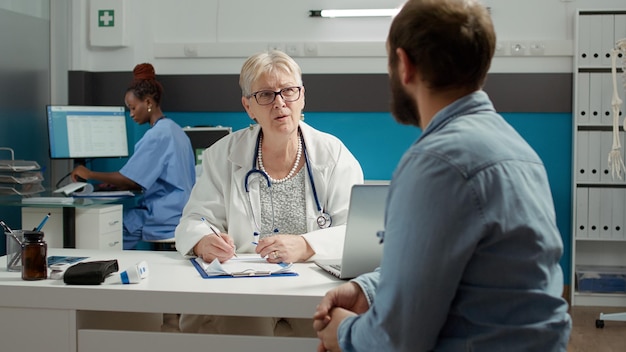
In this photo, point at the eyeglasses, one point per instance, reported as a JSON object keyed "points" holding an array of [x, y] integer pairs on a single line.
{"points": [[266, 97]]}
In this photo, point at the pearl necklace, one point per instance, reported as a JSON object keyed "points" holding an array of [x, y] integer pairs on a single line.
{"points": [[293, 169]]}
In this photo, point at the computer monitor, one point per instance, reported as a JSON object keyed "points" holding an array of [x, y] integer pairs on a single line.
{"points": [[203, 137], [85, 132]]}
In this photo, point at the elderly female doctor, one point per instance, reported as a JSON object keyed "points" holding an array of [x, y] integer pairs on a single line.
{"points": [[280, 183], [309, 173]]}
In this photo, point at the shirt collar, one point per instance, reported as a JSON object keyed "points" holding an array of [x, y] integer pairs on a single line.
{"points": [[466, 105]]}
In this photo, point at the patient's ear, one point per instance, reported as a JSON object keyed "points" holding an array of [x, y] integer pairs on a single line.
{"points": [[406, 69]]}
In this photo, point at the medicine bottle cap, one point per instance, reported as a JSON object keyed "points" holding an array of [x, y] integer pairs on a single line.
{"points": [[33, 235]]}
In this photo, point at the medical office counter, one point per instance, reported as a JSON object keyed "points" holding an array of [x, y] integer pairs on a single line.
{"points": [[50, 315]]}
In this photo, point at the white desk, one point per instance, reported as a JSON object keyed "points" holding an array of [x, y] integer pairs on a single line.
{"points": [[97, 226], [63, 228], [50, 315]]}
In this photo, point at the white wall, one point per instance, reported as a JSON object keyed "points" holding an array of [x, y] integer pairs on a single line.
{"points": [[223, 32]]}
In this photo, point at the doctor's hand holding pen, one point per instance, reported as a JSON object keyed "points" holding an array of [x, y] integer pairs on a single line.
{"points": [[215, 245]]}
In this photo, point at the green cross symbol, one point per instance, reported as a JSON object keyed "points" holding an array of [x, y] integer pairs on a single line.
{"points": [[106, 18]]}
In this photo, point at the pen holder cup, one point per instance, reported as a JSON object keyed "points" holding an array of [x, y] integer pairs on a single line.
{"points": [[14, 250]]}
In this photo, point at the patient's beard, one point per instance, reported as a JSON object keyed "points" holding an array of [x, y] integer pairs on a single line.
{"points": [[403, 106]]}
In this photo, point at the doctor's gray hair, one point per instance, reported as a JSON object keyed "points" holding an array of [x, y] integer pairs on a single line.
{"points": [[269, 62]]}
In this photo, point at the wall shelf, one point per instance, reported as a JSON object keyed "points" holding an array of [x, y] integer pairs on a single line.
{"points": [[599, 200]]}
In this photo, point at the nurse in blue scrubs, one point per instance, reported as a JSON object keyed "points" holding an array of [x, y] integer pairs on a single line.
{"points": [[162, 165]]}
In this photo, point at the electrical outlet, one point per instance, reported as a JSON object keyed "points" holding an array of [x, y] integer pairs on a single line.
{"points": [[190, 50], [276, 46], [294, 49], [501, 48], [518, 48], [310, 49], [537, 48]]}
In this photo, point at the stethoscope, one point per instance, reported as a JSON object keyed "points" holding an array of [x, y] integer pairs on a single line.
{"points": [[323, 220]]}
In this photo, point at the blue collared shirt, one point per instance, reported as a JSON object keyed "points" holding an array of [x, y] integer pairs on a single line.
{"points": [[471, 248]]}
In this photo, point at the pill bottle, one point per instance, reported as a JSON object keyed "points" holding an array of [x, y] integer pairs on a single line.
{"points": [[34, 256]]}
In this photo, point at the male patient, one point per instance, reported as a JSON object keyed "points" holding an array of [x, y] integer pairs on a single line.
{"points": [[471, 255]]}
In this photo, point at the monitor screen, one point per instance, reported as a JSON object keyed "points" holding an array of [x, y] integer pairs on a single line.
{"points": [[87, 132], [203, 137]]}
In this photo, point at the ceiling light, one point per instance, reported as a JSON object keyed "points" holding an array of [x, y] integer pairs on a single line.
{"points": [[354, 13]]}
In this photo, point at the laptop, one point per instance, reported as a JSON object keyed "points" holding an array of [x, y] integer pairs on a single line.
{"points": [[362, 249]]}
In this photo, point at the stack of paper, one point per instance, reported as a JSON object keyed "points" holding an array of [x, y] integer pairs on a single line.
{"points": [[20, 177], [243, 267]]}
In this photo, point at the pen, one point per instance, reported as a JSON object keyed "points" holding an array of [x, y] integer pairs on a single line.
{"points": [[17, 256], [256, 242], [215, 232], [6, 227], [43, 222], [7, 230]]}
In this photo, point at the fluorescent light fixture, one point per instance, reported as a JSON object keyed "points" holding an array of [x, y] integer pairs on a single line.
{"points": [[354, 13]]}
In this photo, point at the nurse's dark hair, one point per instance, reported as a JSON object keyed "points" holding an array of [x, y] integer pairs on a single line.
{"points": [[451, 42], [145, 84]]}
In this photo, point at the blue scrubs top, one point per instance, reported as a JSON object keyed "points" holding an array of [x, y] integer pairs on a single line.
{"points": [[163, 164]]}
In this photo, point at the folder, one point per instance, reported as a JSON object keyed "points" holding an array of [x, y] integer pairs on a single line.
{"points": [[582, 212], [617, 220], [606, 94], [595, 98], [584, 41], [606, 212], [594, 155], [595, 40], [242, 267], [607, 38], [582, 108], [606, 144], [594, 213], [582, 156], [620, 27]]}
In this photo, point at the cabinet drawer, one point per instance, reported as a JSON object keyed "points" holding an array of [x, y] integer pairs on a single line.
{"points": [[99, 219], [110, 241], [104, 241], [111, 221]]}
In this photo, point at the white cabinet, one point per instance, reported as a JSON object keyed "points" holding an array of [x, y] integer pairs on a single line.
{"points": [[97, 226], [599, 199]]}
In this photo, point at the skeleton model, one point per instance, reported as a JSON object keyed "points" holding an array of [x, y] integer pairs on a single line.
{"points": [[616, 162], [615, 159]]}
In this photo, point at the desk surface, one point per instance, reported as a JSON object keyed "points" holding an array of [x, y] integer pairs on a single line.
{"points": [[173, 286], [79, 202]]}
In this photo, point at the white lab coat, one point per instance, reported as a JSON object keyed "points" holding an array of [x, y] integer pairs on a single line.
{"points": [[219, 195]]}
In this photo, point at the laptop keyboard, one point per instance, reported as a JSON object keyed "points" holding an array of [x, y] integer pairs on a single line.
{"points": [[336, 266]]}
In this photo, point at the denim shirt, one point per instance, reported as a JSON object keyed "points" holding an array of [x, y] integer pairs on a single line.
{"points": [[471, 247]]}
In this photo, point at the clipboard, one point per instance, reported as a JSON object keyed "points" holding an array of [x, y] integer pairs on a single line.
{"points": [[252, 271]]}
